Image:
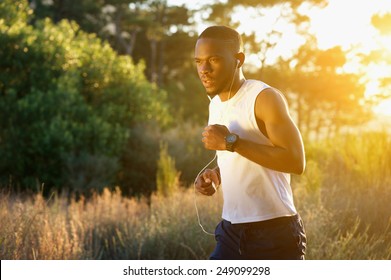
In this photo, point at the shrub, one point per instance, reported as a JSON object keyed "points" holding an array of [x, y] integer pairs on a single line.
{"points": [[66, 97]]}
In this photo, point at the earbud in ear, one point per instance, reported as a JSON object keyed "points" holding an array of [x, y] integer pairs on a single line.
{"points": [[237, 62]]}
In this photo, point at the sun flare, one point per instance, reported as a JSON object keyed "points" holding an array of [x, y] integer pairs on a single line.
{"points": [[348, 24]]}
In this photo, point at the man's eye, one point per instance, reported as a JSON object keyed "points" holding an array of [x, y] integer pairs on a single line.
{"points": [[213, 60]]}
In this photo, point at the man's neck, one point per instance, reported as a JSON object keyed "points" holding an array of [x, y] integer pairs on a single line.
{"points": [[226, 95]]}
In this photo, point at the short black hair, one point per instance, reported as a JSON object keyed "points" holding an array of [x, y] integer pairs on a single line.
{"points": [[226, 34]]}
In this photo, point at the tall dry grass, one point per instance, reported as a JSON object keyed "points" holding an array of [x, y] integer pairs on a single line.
{"points": [[106, 226], [344, 198]]}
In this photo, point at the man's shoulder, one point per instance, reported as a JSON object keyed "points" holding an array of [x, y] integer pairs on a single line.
{"points": [[272, 95], [270, 103]]}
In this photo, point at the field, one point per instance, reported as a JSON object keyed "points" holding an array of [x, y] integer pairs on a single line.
{"points": [[344, 198]]}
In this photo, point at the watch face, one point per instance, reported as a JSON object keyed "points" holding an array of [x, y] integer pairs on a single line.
{"points": [[231, 138]]}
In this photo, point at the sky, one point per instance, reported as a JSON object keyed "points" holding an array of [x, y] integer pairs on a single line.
{"points": [[346, 23]]}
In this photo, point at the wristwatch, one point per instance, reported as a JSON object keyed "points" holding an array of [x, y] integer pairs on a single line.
{"points": [[230, 141]]}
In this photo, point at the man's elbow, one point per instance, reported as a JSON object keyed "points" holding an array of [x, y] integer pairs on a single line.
{"points": [[299, 165], [300, 169]]}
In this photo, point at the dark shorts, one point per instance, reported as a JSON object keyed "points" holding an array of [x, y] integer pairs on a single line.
{"points": [[276, 239]]}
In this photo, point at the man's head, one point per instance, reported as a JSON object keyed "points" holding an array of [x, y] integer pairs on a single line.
{"points": [[218, 53]]}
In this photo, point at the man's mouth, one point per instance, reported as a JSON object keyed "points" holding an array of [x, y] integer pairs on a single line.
{"points": [[208, 82]]}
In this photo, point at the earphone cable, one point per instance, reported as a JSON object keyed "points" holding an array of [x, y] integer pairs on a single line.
{"points": [[202, 170], [195, 196]]}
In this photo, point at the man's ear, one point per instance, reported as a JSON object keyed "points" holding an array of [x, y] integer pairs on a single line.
{"points": [[240, 57]]}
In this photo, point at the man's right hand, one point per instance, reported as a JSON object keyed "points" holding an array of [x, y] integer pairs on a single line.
{"points": [[204, 182]]}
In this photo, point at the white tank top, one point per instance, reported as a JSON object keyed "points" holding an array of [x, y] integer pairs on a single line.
{"points": [[251, 192]]}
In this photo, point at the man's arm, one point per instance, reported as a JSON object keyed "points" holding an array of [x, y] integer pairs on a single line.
{"points": [[287, 152]]}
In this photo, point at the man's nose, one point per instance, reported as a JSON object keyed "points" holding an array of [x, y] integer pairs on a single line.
{"points": [[205, 68]]}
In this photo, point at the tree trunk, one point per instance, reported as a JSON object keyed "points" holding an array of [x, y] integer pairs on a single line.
{"points": [[59, 11], [161, 63], [153, 77], [132, 44]]}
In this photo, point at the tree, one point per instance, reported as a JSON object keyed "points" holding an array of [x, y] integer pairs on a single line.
{"points": [[122, 23], [382, 55], [86, 13], [382, 23], [68, 103], [147, 30], [221, 13], [322, 96]]}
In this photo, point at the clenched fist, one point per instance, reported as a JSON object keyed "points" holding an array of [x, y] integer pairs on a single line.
{"points": [[214, 137]]}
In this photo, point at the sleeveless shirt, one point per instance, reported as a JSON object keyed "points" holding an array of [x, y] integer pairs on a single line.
{"points": [[251, 192]]}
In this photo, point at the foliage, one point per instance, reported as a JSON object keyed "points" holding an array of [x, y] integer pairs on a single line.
{"points": [[185, 145], [382, 54], [128, 25], [221, 12], [382, 23], [68, 103], [167, 178], [139, 161], [148, 30], [323, 98]]}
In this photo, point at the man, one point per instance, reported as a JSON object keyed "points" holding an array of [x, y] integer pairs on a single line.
{"points": [[257, 146]]}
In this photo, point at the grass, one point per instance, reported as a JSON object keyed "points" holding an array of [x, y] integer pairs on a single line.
{"points": [[343, 197]]}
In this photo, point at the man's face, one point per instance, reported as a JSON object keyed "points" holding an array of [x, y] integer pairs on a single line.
{"points": [[215, 65]]}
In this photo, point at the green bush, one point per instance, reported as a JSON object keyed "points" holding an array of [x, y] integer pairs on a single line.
{"points": [[68, 103]]}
